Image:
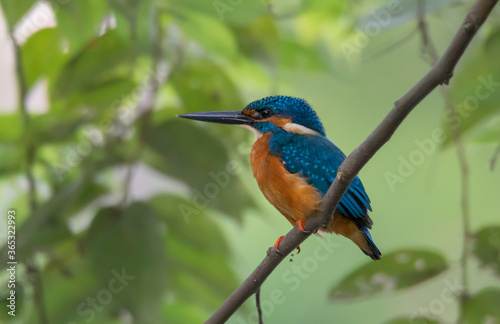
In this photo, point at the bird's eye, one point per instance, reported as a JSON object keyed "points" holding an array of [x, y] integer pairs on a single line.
{"points": [[266, 112]]}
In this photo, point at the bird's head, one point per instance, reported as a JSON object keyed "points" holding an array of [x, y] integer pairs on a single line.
{"points": [[270, 114]]}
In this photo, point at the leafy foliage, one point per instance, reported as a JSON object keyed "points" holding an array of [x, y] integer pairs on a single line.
{"points": [[397, 270], [111, 106], [417, 320], [136, 249], [487, 247], [483, 307], [475, 92], [204, 166]]}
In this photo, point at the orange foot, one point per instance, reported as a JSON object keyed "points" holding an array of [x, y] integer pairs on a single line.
{"points": [[277, 244], [301, 227]]}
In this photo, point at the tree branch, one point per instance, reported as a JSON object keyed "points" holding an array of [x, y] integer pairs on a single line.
{"points": [[441, 73]]}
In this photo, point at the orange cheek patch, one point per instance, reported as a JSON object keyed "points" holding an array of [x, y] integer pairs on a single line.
{"points": [[250, 112], [277, 121], [280, 122]]}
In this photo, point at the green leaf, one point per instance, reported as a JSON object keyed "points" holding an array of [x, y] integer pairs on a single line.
{"points": [[193, 155], [108, 98], [88, 195], [198, 255], [296, 56], [128, 8], [97, 77], [67, 299], [260, 40], [75, 294], [11, 127], [488, 131], [483, 307], [12, 159], [13, 11], [209, 32], [397, 270], [79, 21], [103, 61], [47, 226], [412, 320], [42, 55], [234, 12], [487, 247], [214, 90], [198, 231], [475, 92], [129, 244], [137, 21], [55, 126], [190, 153]]}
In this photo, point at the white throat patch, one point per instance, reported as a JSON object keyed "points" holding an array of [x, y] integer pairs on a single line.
{"points": [[299, 129], [255, 132]]}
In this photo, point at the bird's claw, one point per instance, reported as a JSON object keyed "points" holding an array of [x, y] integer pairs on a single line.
{"points": [[277, 244], [300, 225]]}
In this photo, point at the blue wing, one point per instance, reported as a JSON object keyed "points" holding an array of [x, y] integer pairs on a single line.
{"points": [[317, 159]]}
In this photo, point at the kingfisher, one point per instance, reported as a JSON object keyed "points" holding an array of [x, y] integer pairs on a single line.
{"points": [[294, 164]]}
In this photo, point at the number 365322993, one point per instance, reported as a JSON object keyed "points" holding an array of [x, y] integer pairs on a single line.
{"points": [[11, 234]]}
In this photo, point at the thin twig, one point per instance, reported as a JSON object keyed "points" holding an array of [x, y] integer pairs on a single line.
{"points": [[430, 49], [145, 108], [494, 158], [392, 46], [34, 276], [22, 90], [441, 73], [257, 304]]}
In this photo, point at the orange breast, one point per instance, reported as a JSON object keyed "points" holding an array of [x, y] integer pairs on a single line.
{"points": [[289, 193]]}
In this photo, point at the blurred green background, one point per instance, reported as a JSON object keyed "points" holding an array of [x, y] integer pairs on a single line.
{"points": [[126, 214]]}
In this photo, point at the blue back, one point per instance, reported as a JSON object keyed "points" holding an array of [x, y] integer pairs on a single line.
{"points": [[317, 159]]}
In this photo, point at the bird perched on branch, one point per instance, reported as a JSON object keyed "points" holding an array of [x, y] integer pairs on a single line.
{"points": [[294, 164]]}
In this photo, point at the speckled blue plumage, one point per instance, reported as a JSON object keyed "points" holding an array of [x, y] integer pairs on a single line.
{"points": [[317, 159], [314, 157]]}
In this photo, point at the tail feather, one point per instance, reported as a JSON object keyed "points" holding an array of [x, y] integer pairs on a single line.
{"points": [[374, 252], [359, 234]]}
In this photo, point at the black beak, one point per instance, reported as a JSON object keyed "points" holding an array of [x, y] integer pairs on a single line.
{"points": [[220, 117]]}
